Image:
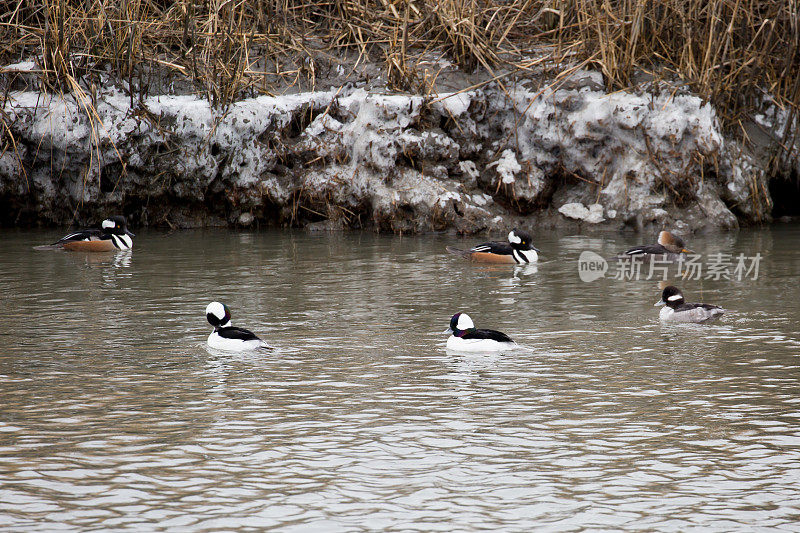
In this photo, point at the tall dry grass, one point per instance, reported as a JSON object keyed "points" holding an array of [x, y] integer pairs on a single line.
{"points": [[731, 52]]}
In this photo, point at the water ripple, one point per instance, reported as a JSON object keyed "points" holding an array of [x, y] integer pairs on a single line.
{"points": [[116, 416]]}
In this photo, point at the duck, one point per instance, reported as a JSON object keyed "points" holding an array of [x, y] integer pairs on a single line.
{"points": [[467, 338], [113, 235], [225, 336], [669, 247], [517, 251], [677, 310]]}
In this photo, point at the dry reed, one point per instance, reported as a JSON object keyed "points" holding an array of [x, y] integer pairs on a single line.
{"points": [[731, 52]]}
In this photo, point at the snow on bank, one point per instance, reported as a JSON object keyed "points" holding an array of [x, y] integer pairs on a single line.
{"points": [[471, 160], [592, 214]]}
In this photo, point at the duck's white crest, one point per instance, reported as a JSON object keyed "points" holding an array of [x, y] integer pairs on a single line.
{"points": [[218, 310], [108, 224], [464, 322], [513, 238], [675, 297]]}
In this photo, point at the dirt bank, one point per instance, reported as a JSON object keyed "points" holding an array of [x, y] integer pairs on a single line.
{"points": [[492, 157]]}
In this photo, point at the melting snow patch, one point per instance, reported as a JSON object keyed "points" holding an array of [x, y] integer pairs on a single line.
{"points": [[469, 170], [507, 166], [446, 196], [593, 214], [456, 104], [321, 125], [24, 66], [481, 199]]}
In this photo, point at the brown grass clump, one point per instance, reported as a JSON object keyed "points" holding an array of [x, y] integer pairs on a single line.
{"points": [[731, 52]]}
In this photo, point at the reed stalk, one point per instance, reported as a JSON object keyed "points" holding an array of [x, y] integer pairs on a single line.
{"points": [[733, 53]]}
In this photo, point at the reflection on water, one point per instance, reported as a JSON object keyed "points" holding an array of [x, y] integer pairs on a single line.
{"points": [[115, 415]]}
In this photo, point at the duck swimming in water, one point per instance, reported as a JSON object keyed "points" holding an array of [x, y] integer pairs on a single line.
{"points": [[669, 247], [112, 236], [677, 310], [517, 251], [467, 338], [227, 337]]}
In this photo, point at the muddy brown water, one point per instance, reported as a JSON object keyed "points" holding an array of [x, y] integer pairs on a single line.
{"points": [[114, 415]]}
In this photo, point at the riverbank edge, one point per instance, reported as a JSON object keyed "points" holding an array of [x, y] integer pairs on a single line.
{"points": [[536, 154]]}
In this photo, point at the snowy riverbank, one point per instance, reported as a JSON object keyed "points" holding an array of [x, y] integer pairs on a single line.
{"points": [[488, 158]]}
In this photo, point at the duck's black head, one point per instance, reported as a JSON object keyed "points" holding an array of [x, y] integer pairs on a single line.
{"points": [[520, 240], [218, 315], [671, 297], [116, 225], [460, 324]]}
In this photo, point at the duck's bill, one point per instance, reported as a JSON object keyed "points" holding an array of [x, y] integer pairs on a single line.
{"points": [[687, 251], [659, 303], [536, 249], [448, 330], [127, 232]]}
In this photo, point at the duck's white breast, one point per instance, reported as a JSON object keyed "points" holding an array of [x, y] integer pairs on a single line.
{"points": [[666, 313], [526, 256], [233, 345], [477, 345], [697, 315], [123, 242]]}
